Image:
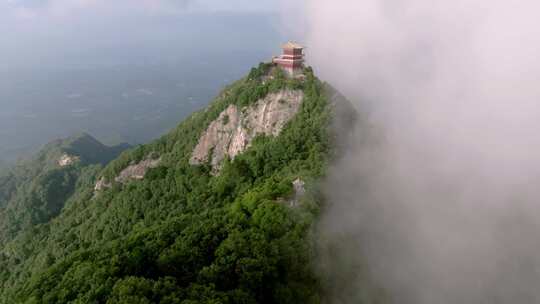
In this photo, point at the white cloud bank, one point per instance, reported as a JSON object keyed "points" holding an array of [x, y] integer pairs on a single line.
{"points": [[446, 208]]}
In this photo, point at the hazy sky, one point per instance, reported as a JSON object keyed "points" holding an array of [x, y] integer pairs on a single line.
{"points": [[49, 32], [27, 9]]}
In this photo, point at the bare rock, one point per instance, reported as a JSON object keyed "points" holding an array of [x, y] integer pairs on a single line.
{"points": [[67, 160], [218, 137], [132, 172], [137, 171], [234, 130], [299, 191], [102, 184]]}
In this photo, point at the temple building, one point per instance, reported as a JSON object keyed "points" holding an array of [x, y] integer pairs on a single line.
{"points": [[292, 59]]}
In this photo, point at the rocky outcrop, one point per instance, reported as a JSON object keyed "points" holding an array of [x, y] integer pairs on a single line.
{"points": [[102, 184], [137, 171], [132, 172], [299, 190], [234, 130], [67, 160]]}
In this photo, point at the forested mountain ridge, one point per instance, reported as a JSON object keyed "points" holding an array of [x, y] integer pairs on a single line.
{"points": [[35, 190], [182, 232]]}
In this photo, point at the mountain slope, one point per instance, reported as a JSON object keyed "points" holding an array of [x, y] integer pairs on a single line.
{"points": [[182, 232], [35, 190]]}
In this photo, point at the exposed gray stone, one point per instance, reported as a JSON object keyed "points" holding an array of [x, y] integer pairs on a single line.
{"points": [[137, 171], [102, 184], [132, 172], [299, 191], [67, 160], [234, 130]]}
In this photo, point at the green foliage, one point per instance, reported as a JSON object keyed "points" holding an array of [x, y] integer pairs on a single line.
{"points": [[225, 119], [182, 235], [260, 71], [35, 191]]}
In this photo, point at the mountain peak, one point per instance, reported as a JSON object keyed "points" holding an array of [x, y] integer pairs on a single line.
{"points": [[160, 225]]}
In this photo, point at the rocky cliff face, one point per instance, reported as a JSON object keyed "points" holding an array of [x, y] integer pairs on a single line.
{"points": [[67, 160], [102, 184], [133, 172], [234, 130], [137, 171]]}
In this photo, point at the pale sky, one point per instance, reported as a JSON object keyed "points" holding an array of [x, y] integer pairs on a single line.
{"points": [[26, 9], [36, 32]]}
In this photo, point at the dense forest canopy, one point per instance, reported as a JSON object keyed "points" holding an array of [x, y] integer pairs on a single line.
{"points": [[35, 190], [181, 234]]}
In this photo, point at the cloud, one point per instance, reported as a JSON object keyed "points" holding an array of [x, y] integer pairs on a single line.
{"points": [[443, 207]]}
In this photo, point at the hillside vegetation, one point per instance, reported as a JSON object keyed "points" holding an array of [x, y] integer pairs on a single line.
{"points": [[182, 234], [35, 190]]}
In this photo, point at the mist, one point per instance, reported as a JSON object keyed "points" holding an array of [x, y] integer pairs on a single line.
{"points": [[436, 200]]}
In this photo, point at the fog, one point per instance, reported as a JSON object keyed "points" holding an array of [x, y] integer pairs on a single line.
{"points": [[437, 198]]}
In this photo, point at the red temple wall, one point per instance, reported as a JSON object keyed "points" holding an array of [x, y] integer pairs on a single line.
{"points": [[291, 59], [290, 64], [294, 57], [293, 52]]}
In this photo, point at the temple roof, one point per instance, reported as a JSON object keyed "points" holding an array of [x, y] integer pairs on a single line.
{"points": [[292, 45]]}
